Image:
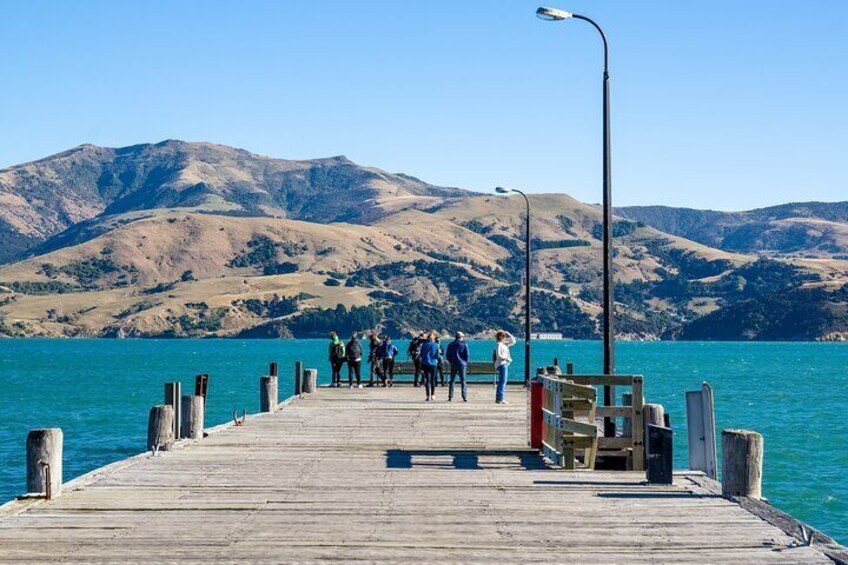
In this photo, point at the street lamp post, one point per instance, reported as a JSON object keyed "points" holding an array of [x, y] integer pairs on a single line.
{"points": [[553, 14], [527, 243]]}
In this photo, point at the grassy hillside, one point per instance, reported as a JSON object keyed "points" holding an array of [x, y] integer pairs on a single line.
{"points": [[807, 229], [185, 239]]}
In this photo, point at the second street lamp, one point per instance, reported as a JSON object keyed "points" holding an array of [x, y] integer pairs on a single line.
{"points": [[502, 190], [554, 14]]}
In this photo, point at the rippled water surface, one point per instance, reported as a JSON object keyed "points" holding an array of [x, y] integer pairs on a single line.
{"points": [[99, 393]]}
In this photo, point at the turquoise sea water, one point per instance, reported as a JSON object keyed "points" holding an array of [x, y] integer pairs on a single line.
{"points": [[99, 392]]}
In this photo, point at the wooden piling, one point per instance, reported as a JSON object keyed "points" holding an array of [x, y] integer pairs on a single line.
{"points": [[192, 417], [569, 368], [268, 394], [160, 428], [44, 462], [272, 370], [173, 395], [201, 385], [310, 380], [654, 416], [298, 378], [742, 463]]}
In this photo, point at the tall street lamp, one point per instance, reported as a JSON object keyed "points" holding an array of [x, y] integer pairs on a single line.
{"points": [[502, 190], [554, 14]]}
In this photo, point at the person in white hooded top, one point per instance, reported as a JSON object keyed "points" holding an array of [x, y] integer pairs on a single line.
{"points": [[502, 361]]}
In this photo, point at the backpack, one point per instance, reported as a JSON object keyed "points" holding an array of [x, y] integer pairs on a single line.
{"points": [[338, 351], [354, 350]]}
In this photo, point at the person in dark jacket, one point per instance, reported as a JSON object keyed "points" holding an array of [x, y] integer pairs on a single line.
{"points": [[457, 355], [386, 354], [354, 361], [414, 353], [373, 363], [337, 357], [440, 370], [429, 360]]}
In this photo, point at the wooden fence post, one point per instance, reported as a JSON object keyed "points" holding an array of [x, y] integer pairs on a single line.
{"points": [[192, 417], [160, 428], [268, 395], [310, 380], [742, 463], [626, 422], [44, 462]]}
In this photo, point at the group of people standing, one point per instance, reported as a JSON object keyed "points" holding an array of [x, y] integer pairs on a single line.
{"points": [[428, 358], [381, 359]]}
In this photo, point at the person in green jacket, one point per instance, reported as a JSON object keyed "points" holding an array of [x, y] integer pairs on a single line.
{"points": [[337, 358]]}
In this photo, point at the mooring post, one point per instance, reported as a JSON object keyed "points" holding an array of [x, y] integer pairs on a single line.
{"points": [[44, 462], [569, 368], [173, 395], [310, 380], [201, 384], [160, 428], [272, 370], [654, 416], [192, 417], [268, 394], [298, 378], [742, 463]]}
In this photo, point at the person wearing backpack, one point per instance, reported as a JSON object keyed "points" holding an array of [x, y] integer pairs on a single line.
{"points": [[414, 353], [337, 359], [353, 353], [386, 354], [502, 359], [374, 364]]}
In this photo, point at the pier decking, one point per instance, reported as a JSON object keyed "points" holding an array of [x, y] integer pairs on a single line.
{"points": [[377, 475]]}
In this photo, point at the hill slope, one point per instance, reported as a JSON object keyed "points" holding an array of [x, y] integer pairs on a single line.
{"points": [[45, 197], [195, 239], [805, 229]]}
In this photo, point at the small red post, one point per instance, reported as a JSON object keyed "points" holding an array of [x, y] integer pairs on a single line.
{"points": [[537, 392]]}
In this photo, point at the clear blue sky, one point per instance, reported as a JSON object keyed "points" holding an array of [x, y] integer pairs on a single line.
{"points": [[720, 104]]}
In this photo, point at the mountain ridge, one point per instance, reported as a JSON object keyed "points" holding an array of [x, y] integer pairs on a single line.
{"points": [[194, 239]]}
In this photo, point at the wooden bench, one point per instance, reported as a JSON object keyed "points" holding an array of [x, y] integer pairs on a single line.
{"points": [[473, 368]]}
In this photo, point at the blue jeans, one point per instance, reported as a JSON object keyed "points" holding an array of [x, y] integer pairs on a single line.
{"points": [[503, 375], [458, 370]]}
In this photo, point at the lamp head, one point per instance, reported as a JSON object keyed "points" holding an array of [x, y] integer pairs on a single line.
{"points": [[552, 14], [502, 190]]}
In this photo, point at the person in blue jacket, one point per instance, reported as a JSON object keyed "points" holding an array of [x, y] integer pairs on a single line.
{"points": [[429, 360], [385, 354], [457, 355]]}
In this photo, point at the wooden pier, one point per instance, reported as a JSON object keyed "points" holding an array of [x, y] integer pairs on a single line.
{"points": [[378, 475]]}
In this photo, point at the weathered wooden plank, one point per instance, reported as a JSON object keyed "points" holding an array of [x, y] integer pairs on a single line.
{"points": [[378, 475]]}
